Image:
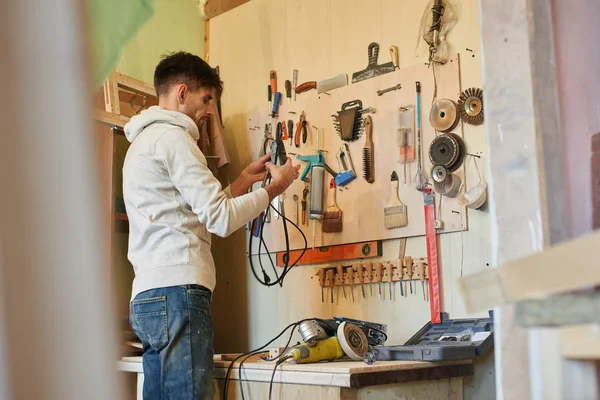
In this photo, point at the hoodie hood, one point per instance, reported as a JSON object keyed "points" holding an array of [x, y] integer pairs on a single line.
{"points": [[158, 115]]}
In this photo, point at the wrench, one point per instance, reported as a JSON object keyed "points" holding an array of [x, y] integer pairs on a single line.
{"points": [[397, 87]]}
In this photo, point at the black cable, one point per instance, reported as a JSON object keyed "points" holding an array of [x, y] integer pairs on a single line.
{"points": [[228, 373], [277, 364]]}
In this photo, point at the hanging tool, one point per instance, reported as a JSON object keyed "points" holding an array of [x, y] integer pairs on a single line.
{"points": [[470, 106], [304, 200], [350, 273], [432, 257], [295, 81], [378, 277], [315, 164], [389, 271], [322, 283], [444, 150], [340, 273], [349, 122], [400, 269], [409, 270], [443, 116], [420, 177], [276, 102], [369, 152], [290, 128], [405, 135], [324, 85], [373, 69], [347, 173], [288, 90], [330, 277], [369, 268], [295, 198], [408, 261], [396, 212], [270, 89], [421, 271], [333, 217], [361, 278], [390, 89], [300, 126], [284, 136], [273, 80], [394, 56]]}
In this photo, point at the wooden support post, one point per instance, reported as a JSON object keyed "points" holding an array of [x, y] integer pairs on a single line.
{"points": [[527, 199]]}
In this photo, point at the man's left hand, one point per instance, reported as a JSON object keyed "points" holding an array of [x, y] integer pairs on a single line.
{"points": [[254, 172]]}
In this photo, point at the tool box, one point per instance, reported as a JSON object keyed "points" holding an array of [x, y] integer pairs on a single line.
{"points": [[452, 339]]}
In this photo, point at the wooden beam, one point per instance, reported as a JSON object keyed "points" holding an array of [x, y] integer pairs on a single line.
{"points": [[134, 84], [580, 342], [207, 41], [218, 7], [110, 118], [538, 276], [568, 309]]}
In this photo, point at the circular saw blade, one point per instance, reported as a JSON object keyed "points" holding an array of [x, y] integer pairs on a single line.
{"points": [[470, 106], [444, 150], [443, 116]]}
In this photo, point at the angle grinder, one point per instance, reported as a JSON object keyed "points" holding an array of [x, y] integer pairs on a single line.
{"points": [[350, 340]]}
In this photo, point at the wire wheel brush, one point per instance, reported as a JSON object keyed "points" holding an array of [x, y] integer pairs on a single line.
{"points": [[470, 106]]}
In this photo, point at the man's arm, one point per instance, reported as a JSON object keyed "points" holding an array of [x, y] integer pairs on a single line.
{"points": [[202, 191]]}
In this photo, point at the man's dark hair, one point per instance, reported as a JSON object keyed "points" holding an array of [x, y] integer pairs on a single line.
{"points": [[182, 67]]}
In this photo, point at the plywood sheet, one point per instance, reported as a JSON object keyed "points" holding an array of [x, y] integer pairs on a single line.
{"points": [[363, 203]]}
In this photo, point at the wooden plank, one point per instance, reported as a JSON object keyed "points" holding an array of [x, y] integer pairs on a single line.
{"points": [[580, 342], [537, 276], [110, 118], [423, 374], [111, 94], [134, 84], [213, 8], [527, 196], [333, 253], [568, 309]]}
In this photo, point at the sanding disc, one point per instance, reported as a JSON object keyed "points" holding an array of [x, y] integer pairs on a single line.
{"points": [[439, 173], [450, 187], [443, 116], [444, 150], [462, 152], [352, 340]]}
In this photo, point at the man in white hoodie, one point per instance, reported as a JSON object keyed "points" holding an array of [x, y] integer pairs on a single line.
{"points": [[174, 203]]}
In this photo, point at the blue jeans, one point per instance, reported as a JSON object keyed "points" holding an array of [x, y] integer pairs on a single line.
{"points": [[175, 328]]}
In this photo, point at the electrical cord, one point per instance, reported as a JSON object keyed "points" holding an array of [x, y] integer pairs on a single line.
{"points": [[277, 364]]}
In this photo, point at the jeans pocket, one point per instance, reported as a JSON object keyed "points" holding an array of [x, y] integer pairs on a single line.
{"points": [[149, 317]]}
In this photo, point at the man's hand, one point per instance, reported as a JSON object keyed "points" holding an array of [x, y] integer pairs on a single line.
{"points": [[254, 172], [281, 177]]}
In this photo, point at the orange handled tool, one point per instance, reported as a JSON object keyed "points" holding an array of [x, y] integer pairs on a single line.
{"points": [[400, 268], [358, 268], [378, 268], [409, 269], [350, 273], [389, 271], [340, 273], [421, 271], [322, 283], [330, 277], [273, 78], [369, 268]]}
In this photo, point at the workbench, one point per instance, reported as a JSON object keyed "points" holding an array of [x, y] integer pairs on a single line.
{"points": [[335, 380]]}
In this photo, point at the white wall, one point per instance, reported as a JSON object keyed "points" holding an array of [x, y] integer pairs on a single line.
{"points": [[267, 34]]}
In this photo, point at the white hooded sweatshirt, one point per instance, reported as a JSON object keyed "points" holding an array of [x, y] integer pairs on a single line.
{"points": [[174, 203]]}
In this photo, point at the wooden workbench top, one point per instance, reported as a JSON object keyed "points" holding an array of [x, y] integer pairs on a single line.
{"points": [[337, 373]]}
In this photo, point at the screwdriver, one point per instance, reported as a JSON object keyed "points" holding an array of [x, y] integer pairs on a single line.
{"points": [[290, 126], [421, 271], [409, 269], [273, 78], [288, 90], [388, 271], [369, 267], [350, 273], [322, 283], [408, 263], [361, 278], [378, 276], [340, 272], [400, 269], [330, 277], [270, 95]]}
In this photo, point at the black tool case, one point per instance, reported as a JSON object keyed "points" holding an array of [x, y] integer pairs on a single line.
{"points": [[426, 345]]}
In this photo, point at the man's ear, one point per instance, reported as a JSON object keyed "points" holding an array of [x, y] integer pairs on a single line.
{"points": [[181, 93]]}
